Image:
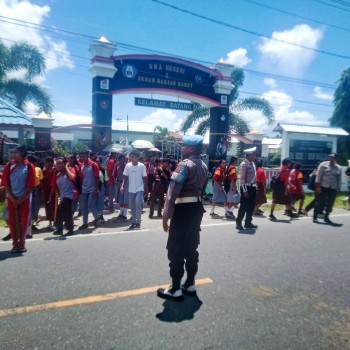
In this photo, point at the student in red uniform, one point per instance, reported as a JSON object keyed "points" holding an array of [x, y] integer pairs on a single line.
{"points": [[112, 184], [261, 188], [281, 194], [63, 180], [151, 165], [160, 186], [296, 187], [219, 195], [19, 181], [233, 196], [48, 174]]}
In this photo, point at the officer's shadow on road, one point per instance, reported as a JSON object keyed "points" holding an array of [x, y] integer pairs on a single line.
{"points": [[247, 231], [177, 312], [7, 255], [333, 224]]}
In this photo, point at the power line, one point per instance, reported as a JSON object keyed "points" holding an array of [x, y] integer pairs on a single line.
{"points": [[248, 31], [296, 15], [342, 2], [286, 78], [330, 5], [147, 50], [281, 98]]}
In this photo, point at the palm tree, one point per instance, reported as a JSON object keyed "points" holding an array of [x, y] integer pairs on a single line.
{"points": [[199, 117], [160, 133], [17, 91]]}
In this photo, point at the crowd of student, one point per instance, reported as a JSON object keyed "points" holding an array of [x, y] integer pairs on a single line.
{"points": [[79, 183], [288, 188]]}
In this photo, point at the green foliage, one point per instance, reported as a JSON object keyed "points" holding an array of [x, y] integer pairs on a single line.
{"points": [[80, 147], [276, 158], [21, 91], [160, 133], [341, 115], [59, 148], [200, 117]]}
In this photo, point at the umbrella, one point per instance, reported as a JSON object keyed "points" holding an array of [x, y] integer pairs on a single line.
{"points": [[116, 148], [142, 144], [154, 149]]}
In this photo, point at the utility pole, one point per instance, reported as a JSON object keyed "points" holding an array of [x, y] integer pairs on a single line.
{"points": [[127, 129]]}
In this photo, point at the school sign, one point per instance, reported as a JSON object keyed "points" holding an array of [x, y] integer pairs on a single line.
{"points": [[165, 75]]}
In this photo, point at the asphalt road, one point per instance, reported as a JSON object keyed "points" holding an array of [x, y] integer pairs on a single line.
{"points": [[284, 286]]}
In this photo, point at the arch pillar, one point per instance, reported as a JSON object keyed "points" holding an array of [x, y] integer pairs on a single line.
{"points": [[102, 70], [219, 116]]}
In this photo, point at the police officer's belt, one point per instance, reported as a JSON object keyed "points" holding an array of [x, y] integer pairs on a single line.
{"points": [[183, 200]]}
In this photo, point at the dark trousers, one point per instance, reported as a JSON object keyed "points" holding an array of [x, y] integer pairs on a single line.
{"points": [[150, 180], [64, 214], [158, 191], [183, 241], [312, 204], [246, 207], [325, 201]]}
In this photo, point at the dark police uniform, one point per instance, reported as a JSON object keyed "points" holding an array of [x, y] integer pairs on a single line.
{"points": [[185, 209], [248, 184]]}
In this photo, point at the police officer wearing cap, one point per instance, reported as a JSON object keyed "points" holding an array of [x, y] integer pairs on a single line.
{"points": [[247, 172], [185, 209]]}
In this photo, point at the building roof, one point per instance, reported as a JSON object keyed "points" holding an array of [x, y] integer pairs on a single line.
{"points": [[271, 141], [9, 114], [311, 129]]}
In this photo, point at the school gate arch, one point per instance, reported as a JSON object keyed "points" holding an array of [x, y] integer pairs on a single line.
{"points": [[164, 75]]}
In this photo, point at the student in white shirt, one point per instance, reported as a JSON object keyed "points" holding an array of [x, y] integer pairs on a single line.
{"points": [[135, 174]]}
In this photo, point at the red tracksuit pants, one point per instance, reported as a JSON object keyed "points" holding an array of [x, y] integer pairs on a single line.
{"points": [[24, 221]]}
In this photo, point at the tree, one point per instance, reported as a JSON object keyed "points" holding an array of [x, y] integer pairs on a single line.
{"points": [[59, 147], [199, 117], [341, 114], [160, 133], [80, 147], [18, 91]]}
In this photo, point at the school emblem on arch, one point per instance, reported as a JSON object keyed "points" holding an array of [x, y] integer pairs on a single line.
{"points": [[129, 71], [104, 104]]}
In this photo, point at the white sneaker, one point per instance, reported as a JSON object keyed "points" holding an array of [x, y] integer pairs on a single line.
{"points": [[190, 290], [170, 293]]}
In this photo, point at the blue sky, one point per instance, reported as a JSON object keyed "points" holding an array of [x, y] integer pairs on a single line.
{"points": [[153, 26]]}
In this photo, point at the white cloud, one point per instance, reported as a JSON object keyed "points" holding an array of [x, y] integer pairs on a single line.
{"points": [[282, 104], [237, 57], [322, 95], [65, 119], [166, 118], [270, 83], [289, 58], [57, 55], [55, 51]]}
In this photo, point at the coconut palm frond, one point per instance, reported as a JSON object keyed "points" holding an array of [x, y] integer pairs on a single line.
{"points": [[203, 127], [237, 76], [4, 59], [27, 56], [199, 112], [256, 103], [237, 125], [22, 92]]}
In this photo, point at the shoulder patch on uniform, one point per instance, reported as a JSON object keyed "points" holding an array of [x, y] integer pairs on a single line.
{"points": [[180, 174]]}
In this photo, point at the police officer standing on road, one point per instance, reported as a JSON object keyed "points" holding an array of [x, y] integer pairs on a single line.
{"points": [[247, 172], [185, 209]]}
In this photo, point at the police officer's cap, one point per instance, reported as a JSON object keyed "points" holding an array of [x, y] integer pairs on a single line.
{"points": [[250, 150], [193, 140]]}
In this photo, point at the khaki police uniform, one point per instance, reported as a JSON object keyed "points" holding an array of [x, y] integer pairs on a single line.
{"points": [[248, 184], [185, 209]]}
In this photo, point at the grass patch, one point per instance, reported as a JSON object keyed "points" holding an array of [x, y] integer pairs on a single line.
{"points": [[2, 222]]}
